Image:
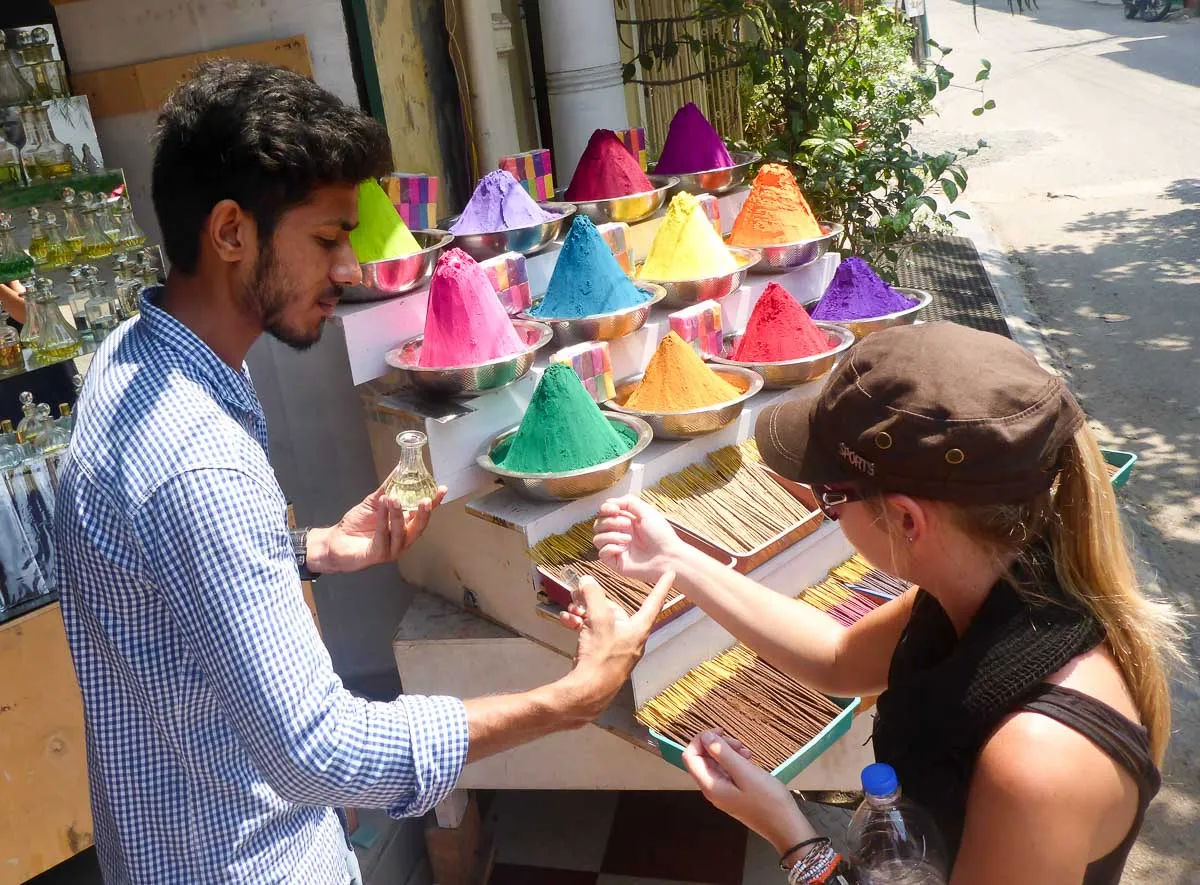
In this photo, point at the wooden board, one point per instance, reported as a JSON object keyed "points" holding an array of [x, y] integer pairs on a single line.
{"points": [[44, 812], [132, 89]]}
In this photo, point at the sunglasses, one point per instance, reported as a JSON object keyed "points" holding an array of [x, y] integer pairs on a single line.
{"points": [[831, 497]]}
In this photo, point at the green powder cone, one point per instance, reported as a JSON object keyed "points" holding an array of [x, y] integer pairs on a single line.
{"points": [[562, 430], [381, 233]]}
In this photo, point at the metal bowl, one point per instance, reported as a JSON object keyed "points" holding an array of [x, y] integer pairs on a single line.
{"points": [[468, 380], [693, 422], [719, 181], [395, 276], [630, 208], [574, 483], [783, 257], [604, 326], [525, 240], [792, 373], [685, 293], [863, 328]]}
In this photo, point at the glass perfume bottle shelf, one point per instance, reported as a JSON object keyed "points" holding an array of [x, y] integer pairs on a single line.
{"points": [[31, 365], [40, 192]]}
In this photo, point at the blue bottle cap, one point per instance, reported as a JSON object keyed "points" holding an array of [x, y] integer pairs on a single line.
{"points": [[880, 779]]}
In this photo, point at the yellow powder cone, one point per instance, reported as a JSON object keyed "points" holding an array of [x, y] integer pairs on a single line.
{"points": [[381, 233], [686, 247]]}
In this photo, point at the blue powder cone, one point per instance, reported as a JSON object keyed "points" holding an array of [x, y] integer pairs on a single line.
{"points": [[587, 279]]}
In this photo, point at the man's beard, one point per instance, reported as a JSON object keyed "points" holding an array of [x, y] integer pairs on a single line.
{"points": [[267, 297]]}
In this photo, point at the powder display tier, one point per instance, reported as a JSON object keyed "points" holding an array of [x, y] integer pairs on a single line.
{"points": [[563, 429], [775, 212], [780, 329], [499, 203], [466, 325], [381, 233], [692, 145], [857, 293], [606, 170], [677, 380], [686, 246], [587, 279]]}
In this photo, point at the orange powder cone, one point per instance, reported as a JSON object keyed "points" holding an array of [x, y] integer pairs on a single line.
{"points": [[775, 212], [677, 380]]}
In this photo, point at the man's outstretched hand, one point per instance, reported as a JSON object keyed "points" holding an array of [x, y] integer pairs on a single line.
{"points": [[375, 531]]}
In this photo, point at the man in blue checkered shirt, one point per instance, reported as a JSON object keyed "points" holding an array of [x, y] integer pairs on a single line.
{"points": [[219, 738]]}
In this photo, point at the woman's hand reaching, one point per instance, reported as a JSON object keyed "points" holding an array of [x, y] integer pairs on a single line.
{"points": [[722, 769], [636, 540]]}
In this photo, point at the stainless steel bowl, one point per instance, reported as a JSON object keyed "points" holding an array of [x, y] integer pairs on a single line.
{"points": [[719, 181], [863, 328], [468, 380], [631, 208], [574, 483], [789, 256], [792, 373], [685, 293], [526, 240], [604, 326], [395, 276], [693, 422]]}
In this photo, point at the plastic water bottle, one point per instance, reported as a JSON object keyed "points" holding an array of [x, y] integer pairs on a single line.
{"points": [[892, 840]]}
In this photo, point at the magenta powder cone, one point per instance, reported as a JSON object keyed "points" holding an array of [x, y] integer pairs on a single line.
{"points": [[692, 145]]}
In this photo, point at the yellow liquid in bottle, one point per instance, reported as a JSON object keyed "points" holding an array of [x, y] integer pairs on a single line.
{"points": [[10, 358], [94, 250], [411, 488], [131, 243], [75, 244], [38, 247], [56, 170], [58, 256], [10, 174], [57, 353]]}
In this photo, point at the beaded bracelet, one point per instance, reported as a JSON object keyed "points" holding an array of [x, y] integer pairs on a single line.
{"points": [[815, 867], [784, 865]]}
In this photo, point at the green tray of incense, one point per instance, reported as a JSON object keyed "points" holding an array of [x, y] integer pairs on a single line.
{"points": [[1120, 466]]}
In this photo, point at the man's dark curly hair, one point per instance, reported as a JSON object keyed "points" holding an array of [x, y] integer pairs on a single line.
{"points": [[262, 136]]}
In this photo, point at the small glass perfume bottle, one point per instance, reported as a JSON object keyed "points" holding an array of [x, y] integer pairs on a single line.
{"points": [[30, 148], [49, 74], [78, 301], [58, 253], [27, 426], [103, 312], [411, 483], [15, 262], [53, 437], [107, 218], [90, 163], [72, 227], [38, 244], [12, 173], [129, 234], [57, 339], [14, 89], [53, 157], [11, 360], [95, 243], [29, 331]]}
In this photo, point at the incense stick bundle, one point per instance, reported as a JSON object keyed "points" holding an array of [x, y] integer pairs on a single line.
{"points": [[852, 590], [768, 711], [573, 549], [730, 500]]}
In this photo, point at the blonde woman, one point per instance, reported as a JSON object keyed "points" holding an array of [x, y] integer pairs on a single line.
{"points": [[1023, 699]]}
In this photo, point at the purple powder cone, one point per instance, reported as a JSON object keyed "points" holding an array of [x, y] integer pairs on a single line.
{"points": [[499, 203], [857, 293], [692, 145]]}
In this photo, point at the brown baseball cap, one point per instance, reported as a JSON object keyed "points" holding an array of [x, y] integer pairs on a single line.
{"points": [[936, 410]]}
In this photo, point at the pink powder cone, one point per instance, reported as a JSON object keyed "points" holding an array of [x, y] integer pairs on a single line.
{"points": [[692, 145], [465, 324]]}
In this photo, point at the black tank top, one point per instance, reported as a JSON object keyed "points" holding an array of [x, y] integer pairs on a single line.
{"points": [[946, 695]]}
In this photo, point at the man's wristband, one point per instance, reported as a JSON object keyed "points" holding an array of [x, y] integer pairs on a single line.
{"points": [[300, 551]]}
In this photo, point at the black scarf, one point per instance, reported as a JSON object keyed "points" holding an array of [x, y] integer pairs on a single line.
{"points": [[946, 695]]}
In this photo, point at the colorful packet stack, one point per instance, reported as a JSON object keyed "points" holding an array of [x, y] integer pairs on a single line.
{"points": [[533, 170], [510, 276], [593, 364], [700, 326], [415, 198], [616, 235], [635, 142], [708, 203]]}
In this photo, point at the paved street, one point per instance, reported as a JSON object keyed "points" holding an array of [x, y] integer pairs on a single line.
{"points": [[1092, 186]]}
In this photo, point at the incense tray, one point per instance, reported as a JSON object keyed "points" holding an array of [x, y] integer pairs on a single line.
{"points": [[798, 761]]}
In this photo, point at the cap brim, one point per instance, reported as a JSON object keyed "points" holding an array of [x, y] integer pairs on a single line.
{"points": [[788, 446]]}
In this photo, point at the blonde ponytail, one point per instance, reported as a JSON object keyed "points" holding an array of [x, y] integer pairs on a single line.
{"points": [[1093, 564]]}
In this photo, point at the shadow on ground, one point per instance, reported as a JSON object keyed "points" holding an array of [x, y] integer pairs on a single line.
{"points": [[1169, 49], [1132, 329]]}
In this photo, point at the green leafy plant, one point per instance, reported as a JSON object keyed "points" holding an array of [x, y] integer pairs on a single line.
{"points": [[836, 96]]}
